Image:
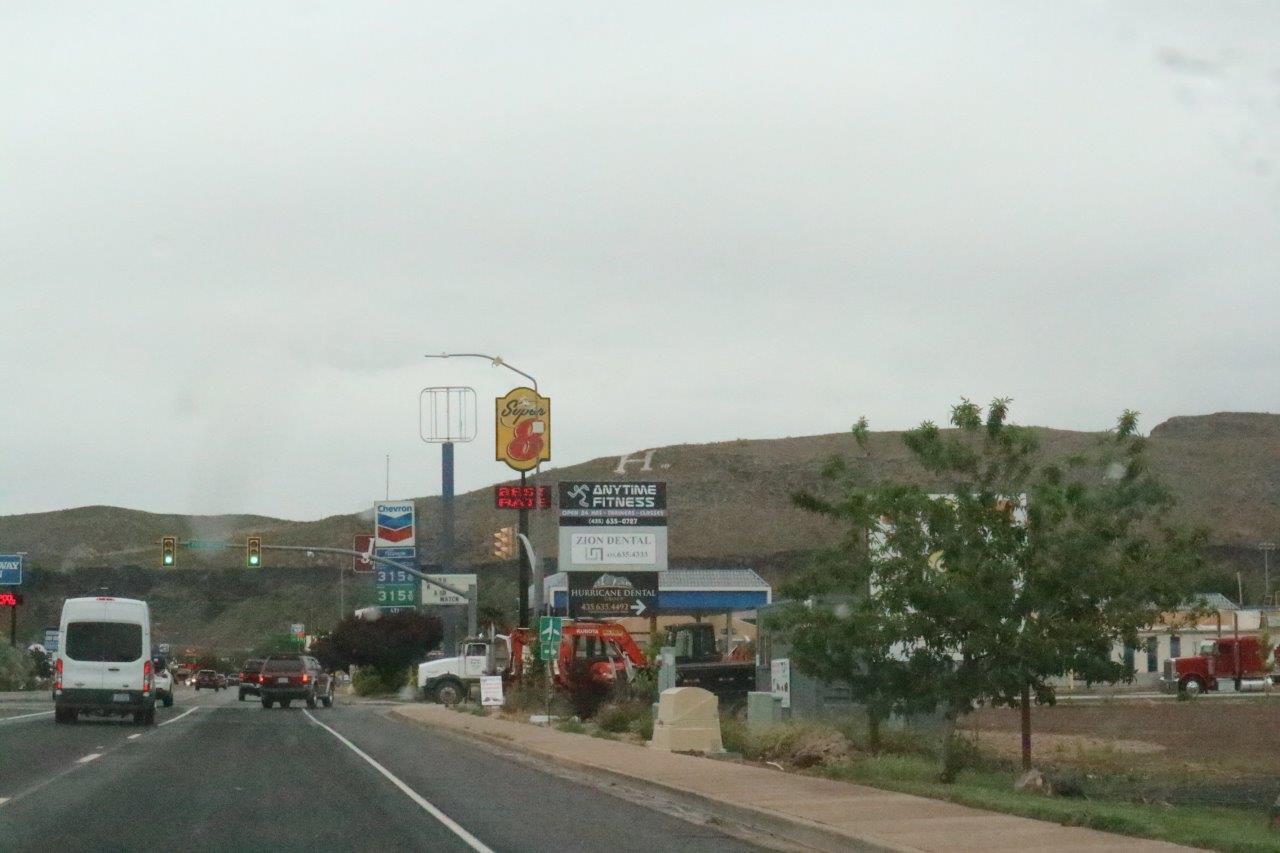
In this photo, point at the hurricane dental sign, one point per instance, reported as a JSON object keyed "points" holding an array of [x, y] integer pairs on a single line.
{"points": [[619, 526]]}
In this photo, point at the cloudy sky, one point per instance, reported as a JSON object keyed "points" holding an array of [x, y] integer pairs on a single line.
{"points": [[229, 232]]}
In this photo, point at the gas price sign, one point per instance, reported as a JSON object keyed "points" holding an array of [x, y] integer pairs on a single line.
{"points": [[522, 497], [10, 599]]}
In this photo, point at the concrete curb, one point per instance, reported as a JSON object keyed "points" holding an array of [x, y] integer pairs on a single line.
{"points": [[787, 827]]}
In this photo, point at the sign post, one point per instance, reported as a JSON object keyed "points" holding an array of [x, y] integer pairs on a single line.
{"points": [[12, 600], [522, 439], [447, 414], [613, 543], [393, 539]]}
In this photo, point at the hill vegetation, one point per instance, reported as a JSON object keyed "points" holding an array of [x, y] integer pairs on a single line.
{"points": [[729, 504]]}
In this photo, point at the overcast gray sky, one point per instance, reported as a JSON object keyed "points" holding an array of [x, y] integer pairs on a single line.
{"points": [[228, 232]]}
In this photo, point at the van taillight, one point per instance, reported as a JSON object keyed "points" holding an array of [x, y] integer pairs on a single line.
{"points": [[305, 678], [146, 677], [57, 669]]}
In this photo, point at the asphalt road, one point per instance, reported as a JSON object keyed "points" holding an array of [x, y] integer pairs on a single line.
{"points": [[215, 773]]}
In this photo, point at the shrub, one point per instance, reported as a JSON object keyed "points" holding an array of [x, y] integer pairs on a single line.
{"points": [[800, 744], [643, 725], [618, 717], [572, 727], [17, 670], [371, 682]]}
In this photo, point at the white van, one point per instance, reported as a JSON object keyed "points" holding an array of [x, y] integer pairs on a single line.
{"points": [[104, 661]]}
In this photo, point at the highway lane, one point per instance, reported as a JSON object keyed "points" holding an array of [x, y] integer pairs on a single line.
{"points": [[232, 775], [34, 749]]}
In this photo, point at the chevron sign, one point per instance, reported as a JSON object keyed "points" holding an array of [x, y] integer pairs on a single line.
{"points": [[393, 524]]}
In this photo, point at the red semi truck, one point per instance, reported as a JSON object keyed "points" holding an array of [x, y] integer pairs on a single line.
{"points": [[1235, 659]]}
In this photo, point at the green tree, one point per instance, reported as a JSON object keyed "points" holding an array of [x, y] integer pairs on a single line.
{"points": [[1010, 572], [388, 645]]}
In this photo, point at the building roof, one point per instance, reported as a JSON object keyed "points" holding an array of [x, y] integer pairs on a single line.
{"points": [[1212, 601]]}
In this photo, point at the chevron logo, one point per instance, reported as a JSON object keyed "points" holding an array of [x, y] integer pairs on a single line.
{"points": [[394, 523]]}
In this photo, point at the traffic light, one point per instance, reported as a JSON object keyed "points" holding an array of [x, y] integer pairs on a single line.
{"points": [[504, 543], [168, 551], [253, 553]]}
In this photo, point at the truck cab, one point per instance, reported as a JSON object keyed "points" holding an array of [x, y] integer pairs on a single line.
{"points": [[1234, 658], [448, 681]]}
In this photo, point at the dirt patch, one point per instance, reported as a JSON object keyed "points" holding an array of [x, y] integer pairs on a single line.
{"points": [[1215, 736], [1009, 743]]}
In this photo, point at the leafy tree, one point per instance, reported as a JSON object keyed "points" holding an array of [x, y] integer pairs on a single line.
{"points": [[389, 644], [1012, 572]]}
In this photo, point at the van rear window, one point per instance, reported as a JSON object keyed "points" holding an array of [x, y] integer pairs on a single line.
{"points": [[114, 642]]}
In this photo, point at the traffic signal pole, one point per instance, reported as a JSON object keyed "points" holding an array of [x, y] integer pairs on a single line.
{"points": [[346, 552]]}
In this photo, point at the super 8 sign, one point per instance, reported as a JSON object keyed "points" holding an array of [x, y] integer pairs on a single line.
{"points": [[10, 599], [521, 497]]}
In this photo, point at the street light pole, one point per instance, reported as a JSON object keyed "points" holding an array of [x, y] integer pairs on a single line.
{"points": [[523, 519], [1266, 548]]}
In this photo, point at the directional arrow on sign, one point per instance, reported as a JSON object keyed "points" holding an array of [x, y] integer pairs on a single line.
{"points": [[638, 607]]}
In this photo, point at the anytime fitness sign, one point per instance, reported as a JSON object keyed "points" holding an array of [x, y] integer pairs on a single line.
{"points": [[619, 526]]}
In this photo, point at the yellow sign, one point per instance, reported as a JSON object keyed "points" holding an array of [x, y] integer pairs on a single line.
{"points": [[523, 420]]}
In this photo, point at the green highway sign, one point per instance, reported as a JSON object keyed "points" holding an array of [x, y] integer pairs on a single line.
{"points": [[549, 630], [202, 543]]}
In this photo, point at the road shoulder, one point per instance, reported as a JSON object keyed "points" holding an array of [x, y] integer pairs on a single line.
{"points": [[820, 813]]}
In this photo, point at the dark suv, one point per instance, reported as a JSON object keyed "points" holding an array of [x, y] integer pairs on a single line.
{"points": [[288, 677], [249, 672]]}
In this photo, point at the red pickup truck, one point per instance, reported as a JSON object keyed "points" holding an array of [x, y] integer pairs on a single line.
{"points": [[1235, 659]]}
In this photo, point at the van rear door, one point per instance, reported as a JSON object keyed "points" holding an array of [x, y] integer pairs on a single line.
{"points": [[113, 648], [81, 661]]}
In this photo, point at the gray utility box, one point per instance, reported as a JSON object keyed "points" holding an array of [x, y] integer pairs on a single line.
{"points": [[763, 710]]}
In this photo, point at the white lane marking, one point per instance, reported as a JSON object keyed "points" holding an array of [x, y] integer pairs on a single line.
{"points": [[133, 737], [93, 756], [467, 838], [24, 716], [180, 716]]}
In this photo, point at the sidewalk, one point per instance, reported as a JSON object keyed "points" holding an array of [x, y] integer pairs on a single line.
{"points": [[818, 812]]}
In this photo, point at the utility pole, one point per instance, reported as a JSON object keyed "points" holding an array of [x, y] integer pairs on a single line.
{"points": [[1266, 548], [523, 522]]}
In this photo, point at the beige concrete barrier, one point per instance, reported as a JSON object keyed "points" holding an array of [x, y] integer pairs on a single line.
{"points": [[688, 720]]}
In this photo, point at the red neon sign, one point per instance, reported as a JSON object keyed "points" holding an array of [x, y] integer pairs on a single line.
{"points": [[10, 599], [521, 497]]}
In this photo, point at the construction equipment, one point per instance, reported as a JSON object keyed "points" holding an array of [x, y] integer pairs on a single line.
{"points": [[593, 658], [700, 664]]}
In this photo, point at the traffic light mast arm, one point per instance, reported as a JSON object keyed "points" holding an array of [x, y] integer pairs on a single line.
{"points": [[528, 548], [348, 552]]}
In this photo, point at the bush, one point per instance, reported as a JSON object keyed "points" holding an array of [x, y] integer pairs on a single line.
{"points": [[371, 682], [800, 744], [643, 725], [17, 670], [618, 717], [572, 727]]}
